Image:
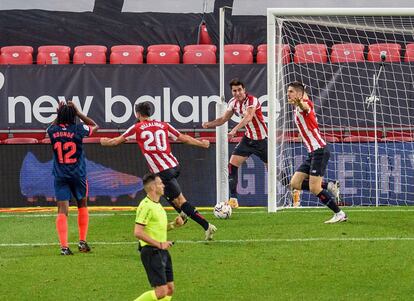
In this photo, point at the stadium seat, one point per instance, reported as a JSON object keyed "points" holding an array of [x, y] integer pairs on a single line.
{"points": [[126, 54], [347, 53], [21, 140], [16, 55], [409, 53], [262, 54], [238, 54], [310, 53], [89, 54], [163, 54], [393, 52], [204, 37], [199, 54], [53, 54]]}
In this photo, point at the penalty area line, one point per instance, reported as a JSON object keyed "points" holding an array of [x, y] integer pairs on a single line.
{"points": [[229, 241]]}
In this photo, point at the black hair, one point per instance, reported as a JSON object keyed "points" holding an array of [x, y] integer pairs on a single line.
{"points": [[144, 109], [236, 82], [298, 86], [66, 115], [148, 178]]}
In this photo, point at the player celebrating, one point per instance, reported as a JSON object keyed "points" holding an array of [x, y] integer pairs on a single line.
{"points": [[152, 138], [151, 230], [309, 175], [69, 170]]}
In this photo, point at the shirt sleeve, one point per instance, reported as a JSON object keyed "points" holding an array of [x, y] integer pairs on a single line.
{"points": [[130, 133], [172, 132], [310, 104], [144, 214], [230, 105], [84, 130], [252, 102]]}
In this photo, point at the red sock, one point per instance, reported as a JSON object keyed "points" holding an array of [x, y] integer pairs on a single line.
{"points": [[83, 221], [62, 229]]}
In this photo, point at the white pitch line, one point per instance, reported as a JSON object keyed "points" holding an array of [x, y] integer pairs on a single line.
{"points": [[228, 241], [290, 210]]}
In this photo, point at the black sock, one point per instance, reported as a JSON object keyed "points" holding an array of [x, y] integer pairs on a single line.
{"points": [[173, 205], [192, 212], [325, 185], [328, 199], [233, 179], [305, 185]]}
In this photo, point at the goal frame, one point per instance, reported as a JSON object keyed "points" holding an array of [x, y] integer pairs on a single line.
{"points": [[275, 74]]}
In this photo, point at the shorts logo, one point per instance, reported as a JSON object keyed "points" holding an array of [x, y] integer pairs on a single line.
{"points": [[313, 171]]}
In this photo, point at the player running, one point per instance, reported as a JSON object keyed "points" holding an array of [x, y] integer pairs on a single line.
{"points": [[309, 175], [69, 170], [152, 138]]}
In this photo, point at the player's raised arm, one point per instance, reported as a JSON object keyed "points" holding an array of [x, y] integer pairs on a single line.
{"points": [[246, 119], [219, 121], [87, 120]]}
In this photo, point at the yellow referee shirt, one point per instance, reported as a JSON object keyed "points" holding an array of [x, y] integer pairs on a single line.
{"points": [[154, 217]]}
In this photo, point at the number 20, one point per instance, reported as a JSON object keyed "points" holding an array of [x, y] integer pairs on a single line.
{"points": [[158, 137]]}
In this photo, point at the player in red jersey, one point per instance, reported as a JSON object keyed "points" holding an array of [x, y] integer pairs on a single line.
{"points": [[310, 174], [152, 138]]}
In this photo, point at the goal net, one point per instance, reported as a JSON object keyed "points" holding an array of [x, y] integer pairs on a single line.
{"points": [[358, 71]]}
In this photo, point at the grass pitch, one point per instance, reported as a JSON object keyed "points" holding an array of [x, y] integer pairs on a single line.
{"points": [[290, 255]]}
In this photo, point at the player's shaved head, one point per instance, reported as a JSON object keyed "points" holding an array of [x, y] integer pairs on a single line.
{"points": [[144, 109]]}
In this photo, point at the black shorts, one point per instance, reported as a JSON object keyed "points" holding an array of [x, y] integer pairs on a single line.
{"points": [[316, 163], [169, 178], [158, 265], [248, 147]]}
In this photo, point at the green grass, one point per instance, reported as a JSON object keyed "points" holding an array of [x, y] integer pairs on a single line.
{"points": [[290, 255]]}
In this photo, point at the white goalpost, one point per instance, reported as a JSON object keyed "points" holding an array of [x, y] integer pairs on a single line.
{"points": [[363, 98]]}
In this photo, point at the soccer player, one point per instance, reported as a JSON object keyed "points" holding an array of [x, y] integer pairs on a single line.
{"points": [[69, 170], [152, 138], [310, 174], [254, 140], [151, 229]]}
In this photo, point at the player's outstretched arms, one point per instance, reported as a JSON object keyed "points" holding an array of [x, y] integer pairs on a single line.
{"points": [[112, 142], [192, 141], [219, 121]]}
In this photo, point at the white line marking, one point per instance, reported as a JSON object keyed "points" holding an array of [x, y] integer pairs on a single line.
{"points": [[228, 241], [290, 210]]}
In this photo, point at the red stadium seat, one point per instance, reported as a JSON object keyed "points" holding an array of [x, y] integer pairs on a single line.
{"points": [[262, 54], [53, 54], [409, 53], [126, 54], [199, 57], [204, 37], [238, 54], [310, 53], [197, 47], [89, 54], [163, 54], [393, 52], [21, 140], [347, 53], [16, 55]]}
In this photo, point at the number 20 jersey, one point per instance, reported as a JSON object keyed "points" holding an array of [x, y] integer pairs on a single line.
{"points": [[153, 139], [68, 156]]}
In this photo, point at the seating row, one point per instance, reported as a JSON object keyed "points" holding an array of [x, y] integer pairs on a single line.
{"points": [[204, 54]]}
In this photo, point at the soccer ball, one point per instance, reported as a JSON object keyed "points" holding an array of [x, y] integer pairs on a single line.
{"points": [[222, 210]]}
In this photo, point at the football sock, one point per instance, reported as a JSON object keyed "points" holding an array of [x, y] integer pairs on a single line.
{"points": [[328, 199], [325, 185], [233, 179], [173, 205], [305, 185], [147, 296], [192, 212], [62, 229], [83, 222]]}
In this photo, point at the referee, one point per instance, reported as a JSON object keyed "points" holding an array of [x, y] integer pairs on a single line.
{"points": [[151, 227]]}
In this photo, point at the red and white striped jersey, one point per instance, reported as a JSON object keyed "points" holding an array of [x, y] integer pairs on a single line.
{"points": [[152, 138], [255, 129], [307, 124]]}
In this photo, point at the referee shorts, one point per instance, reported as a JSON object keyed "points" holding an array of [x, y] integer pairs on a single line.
{"points": [[248, 147], [169, 178], [158, 265], [316, 162]]}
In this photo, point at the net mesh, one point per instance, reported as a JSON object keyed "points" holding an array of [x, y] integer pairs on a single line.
{"points": [[351, 66]]}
